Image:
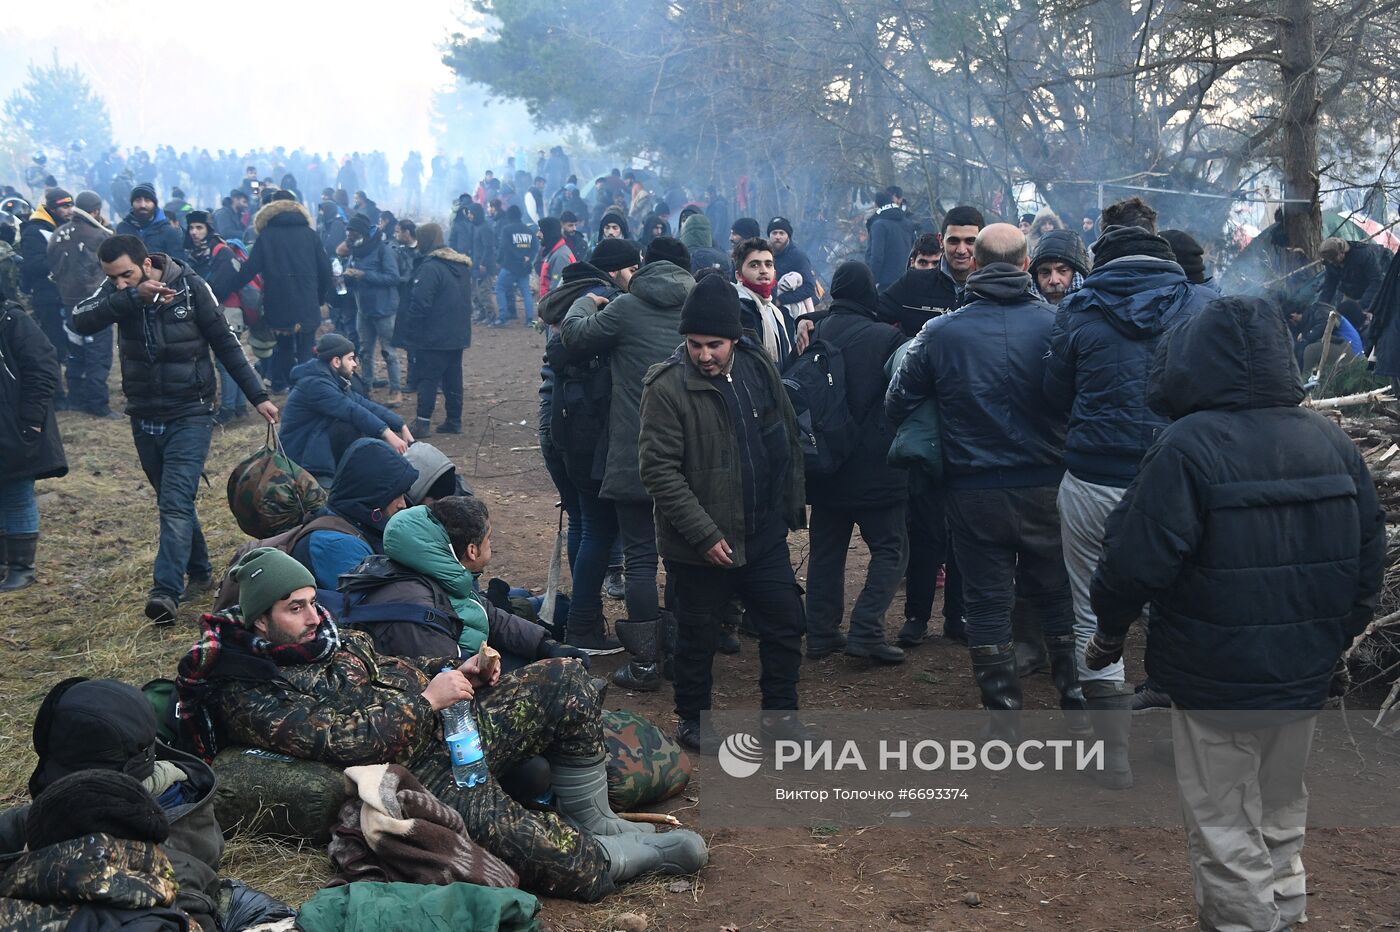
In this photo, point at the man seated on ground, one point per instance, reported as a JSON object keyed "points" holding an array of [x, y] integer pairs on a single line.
{"points": [[323, 410], [432, 558], [277, 674], [107, 725], [437, 475], [369, 489]]}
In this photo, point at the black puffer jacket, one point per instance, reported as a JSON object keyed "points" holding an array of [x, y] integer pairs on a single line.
{"points": [[439, 312], [295, 270], [164, 349], [1359, 277], [1253, 526], [29, 375], [1100, 353], [865, 480], [985, 364], [918, 296]]}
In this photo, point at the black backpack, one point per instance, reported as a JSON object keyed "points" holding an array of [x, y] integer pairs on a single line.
{"points": [[377, 571], [816, 386], [578, 426]]}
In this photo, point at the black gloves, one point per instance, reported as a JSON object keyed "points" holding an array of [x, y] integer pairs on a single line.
{"points": [[550, 648], [1102, 651]]}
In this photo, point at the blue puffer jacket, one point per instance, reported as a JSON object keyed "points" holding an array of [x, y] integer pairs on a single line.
{"points": [[377, 292], [318, 400], [1100, 355], [156, 233], [985, 365]]}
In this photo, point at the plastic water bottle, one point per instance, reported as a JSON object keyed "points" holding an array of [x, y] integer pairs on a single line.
{"points": [[464, 744]]}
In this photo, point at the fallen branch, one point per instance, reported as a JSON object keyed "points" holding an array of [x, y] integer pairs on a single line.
{"points": [[654, 818], [1372, 628], [1379, 394]]}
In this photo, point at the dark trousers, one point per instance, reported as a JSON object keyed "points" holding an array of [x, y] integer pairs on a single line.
{"points": [[173, 462], [434, 369], [1008, 544], [89, 366], [50, 320], [292, 348], [590, 566], [930, 548], [637, 530], [770, 594], [568, 496], [885, 533]]}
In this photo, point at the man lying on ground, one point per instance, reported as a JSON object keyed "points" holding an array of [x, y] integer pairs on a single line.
{"points": [[279, 675]]}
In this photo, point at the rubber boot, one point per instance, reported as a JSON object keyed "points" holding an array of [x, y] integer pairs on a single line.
{"points": [[19, 561], [678, 851], [643, 641], [1030, 646], [422, 426], [581, 794], [1064, 670], [1111, 713], [994, 669], [590, 634]]}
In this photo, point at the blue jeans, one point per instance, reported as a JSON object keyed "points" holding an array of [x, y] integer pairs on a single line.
{"points": [[379, 329], [568, 497], [173, 463], [506, 282], [88, 368], [230, 395], [594, 553], [19, 512]]}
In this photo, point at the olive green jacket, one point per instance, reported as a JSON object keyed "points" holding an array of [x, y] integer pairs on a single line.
{"points": [[690, 459]]}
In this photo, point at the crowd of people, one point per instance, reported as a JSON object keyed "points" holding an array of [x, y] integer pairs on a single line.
{"points": [[1100, 430]]}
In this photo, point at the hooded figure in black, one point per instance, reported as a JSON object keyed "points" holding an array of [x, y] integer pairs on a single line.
{"points": [[1254, 531], [864, 491]]}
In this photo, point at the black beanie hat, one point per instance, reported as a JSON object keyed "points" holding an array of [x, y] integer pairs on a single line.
{"points": [[612, 255], [282, 194], [1061, 246], [144, 189], [333, 344], [1119, 241], [198, 216], [55, 198], [854, 282], [667, 249], [1189, 254], [747, 228], [85, 724], [712, 309], [360, 224], [780, 223], [551, 232], [94, 801]]}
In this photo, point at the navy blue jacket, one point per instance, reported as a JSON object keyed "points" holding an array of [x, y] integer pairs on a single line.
{"points": [[891, 239], [985, 364], [1252, 528], [318, 399], [793, 259], [377, 292], [156, 233], [1100, 354]]}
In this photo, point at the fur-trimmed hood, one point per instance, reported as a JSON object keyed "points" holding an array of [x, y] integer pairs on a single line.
{"points": [[80, 214], [448, 254], [271, 211]]}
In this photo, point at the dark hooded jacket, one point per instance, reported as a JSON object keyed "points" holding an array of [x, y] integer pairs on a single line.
{"points": [[156, 233], [439, 311], [29, 376], [34, 236], [1100, 354], [613, 215], [985, 364], [697, 237], [793, 259], [164, 349], [891, 239], [459, 235], [864, 480], [369, 476], [635, 331], [483, 242], [1359, 278], [1384, 335], [918, 296], [321, 400], [72, 258], [1252, 527], [377, 290], [295, 270]]}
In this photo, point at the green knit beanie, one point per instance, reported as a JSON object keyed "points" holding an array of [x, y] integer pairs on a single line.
{"points": [[265, 576]]}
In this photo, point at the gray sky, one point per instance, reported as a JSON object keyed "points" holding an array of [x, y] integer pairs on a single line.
{"points": [[346, 76]]}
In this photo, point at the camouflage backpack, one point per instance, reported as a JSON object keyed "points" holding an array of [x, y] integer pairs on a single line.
{"points": [[269, 494], [644, 765]]}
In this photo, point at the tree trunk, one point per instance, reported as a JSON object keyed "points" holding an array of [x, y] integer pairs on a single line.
{"points": [[1297, 43]]}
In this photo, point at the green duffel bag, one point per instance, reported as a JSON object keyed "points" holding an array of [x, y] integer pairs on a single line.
{"points": [[917, 442], [644, 765], [265, 793]]}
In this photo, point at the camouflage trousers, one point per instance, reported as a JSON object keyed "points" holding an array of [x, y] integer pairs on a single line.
{"points": [[546, 708]]}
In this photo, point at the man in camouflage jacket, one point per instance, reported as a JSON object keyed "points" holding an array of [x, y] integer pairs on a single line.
{"points": [[326, 695]]}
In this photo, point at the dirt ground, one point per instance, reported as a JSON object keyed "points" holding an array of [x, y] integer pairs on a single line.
{"points": [[99, 528]]}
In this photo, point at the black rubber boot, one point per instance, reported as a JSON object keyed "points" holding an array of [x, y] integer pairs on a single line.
{"points": [[994, 669], [1111, 713], [19, 562], [1030, 646], [1064, 670], [643, 641], [590, 635]]}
